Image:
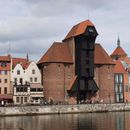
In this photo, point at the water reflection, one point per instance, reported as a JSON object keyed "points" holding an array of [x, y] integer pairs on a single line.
{"points": [[90, 121]]}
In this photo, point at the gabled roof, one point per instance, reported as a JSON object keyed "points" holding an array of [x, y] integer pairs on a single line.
{"points": [[119, 52], [57, 53], [5, 58], [23, 61], [118, 68], [101, 56], [78, 29]]}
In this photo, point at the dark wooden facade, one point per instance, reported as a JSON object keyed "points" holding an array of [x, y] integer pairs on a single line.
{"points": [[84, 62]]}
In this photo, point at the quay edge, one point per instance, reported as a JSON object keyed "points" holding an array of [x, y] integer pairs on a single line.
{"points": [[62, 109]]}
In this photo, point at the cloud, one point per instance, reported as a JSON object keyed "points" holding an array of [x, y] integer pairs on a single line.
{"points": [[33, 25]]}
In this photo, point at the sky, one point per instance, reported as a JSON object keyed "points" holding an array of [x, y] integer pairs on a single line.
{"points": [[31, 26]]}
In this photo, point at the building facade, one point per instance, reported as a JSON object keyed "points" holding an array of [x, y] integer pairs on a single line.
{"points": [[121, 74], [104, 75], [68, 68], [26, 78], [5, 79]]}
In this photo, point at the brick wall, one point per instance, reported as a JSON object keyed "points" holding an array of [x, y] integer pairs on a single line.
{"points": [[104, 77], [56, 78]]}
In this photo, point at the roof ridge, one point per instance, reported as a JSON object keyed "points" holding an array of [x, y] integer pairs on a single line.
{"points": [[78, 29]]}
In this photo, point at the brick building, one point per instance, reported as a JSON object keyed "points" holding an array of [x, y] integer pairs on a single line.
{"points": [[6, 91], [57, 71], [121, 74], [68, 68], [104, 74]]}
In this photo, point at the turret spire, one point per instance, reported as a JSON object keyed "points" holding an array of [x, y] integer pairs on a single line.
{"points": [[118, 41], [27, 57]]}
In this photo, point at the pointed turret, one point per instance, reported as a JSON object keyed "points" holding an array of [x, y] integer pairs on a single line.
{"points": [[118, 42], [27, 57], [119, 52]]}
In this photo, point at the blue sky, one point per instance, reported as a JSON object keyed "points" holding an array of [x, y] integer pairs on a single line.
{"points": [[31, 26]]}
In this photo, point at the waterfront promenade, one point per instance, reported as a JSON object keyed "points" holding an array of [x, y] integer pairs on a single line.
{"points": [[62, 109]]}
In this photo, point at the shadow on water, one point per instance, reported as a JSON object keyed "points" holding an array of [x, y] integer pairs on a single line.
{"points": [[84, 121]]}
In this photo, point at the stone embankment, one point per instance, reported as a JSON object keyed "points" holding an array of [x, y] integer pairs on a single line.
{"points": [[62, 109]]}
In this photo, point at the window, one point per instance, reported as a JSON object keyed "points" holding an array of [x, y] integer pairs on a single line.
{"points": [[33, 89], [116, 88], [15, 81], [3, 64], [17, 89], [116, 78], [21, 81], [17, 99], [120, 88], [129, 78], [5, 72], [39, 89], [25, 99], [33, 71], [18, 72], [35, 79], [120, 78], [117, 97], [5, 90], [31, 79], [25, 89], [5, 80]]}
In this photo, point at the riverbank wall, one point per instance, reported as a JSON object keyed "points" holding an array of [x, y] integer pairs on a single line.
{"points": [[62, 109]]}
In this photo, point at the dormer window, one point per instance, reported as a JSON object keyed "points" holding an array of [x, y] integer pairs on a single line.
{"points": [[91, 30], [3, 64]]}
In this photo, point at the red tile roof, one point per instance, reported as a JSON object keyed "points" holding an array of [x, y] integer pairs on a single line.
{"points": [[8, 64], [118, 68], [101, 56], [127, 60], [23, 61], [7, 67], [119, 51], [58, 52], [78, 29], [5, 58]]}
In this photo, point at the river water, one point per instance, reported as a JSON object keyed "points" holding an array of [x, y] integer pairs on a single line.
{"points": [[84, 121]]}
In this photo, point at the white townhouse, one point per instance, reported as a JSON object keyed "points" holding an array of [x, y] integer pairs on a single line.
{"points": [[33, 74], [26, 78]]}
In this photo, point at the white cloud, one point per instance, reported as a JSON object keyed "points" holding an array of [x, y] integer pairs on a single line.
{"points": [[32, 25]]}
